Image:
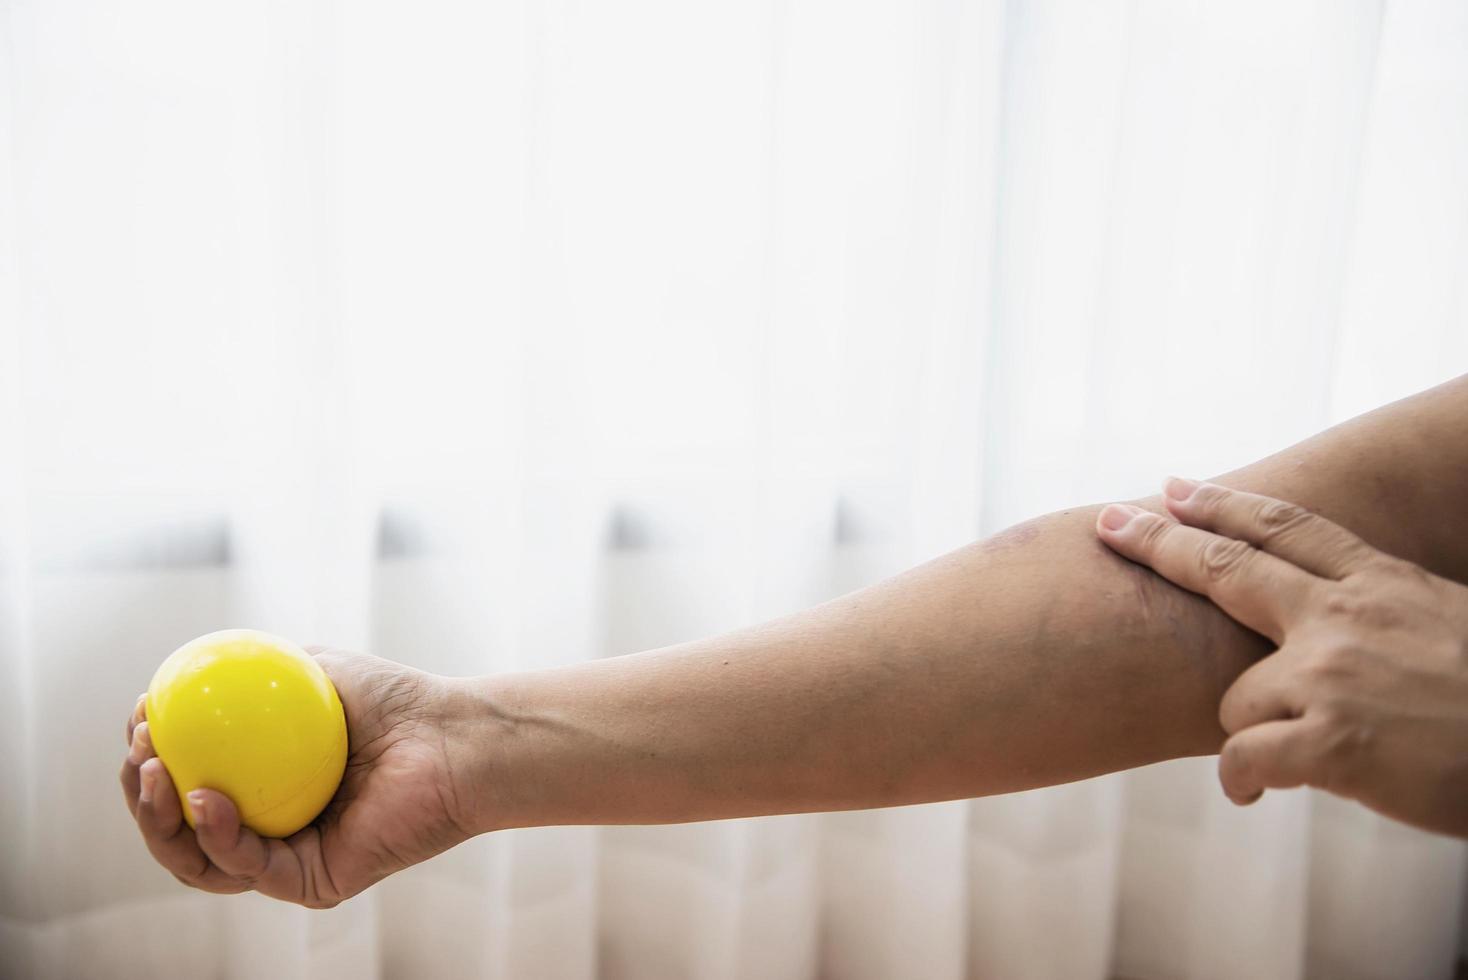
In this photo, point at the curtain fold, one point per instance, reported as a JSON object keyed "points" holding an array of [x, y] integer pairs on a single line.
{"points": [[496, 336]]}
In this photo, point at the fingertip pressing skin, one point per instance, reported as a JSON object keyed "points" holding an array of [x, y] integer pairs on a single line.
{"points": [[1177, 489], [1255, 588], [1358, 699], [1115, 517], [1279, 527]]}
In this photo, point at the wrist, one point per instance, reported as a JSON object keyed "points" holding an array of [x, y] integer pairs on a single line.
{"points": [[482, 743]]}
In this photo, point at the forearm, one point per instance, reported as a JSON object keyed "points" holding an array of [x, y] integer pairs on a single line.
{"points": [[1032, 658], [1026, 660]]}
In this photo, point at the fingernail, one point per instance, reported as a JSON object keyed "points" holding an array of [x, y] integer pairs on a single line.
{"points": [[1179, 489], [196, 804], [145, 789], [1117, 516]]}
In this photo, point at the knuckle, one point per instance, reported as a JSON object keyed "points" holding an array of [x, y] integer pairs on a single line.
{"points": [[1359, 607], [247, 879], [1279, 517], [257, 869], [1342, 745], [193, 877], [1223, 557], [229, 857], [1401, 570], [236, 869], [1414, 572], [1331, 662], [1374, 569], [1345, 604], [1209, 498], [1332, 712], [1244, 700], [1154, 530]]}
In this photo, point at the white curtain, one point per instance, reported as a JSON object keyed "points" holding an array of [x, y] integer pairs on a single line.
{"points": [[490, 335]]}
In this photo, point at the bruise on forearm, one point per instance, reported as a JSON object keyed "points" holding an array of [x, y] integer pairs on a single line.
{"points": [[1170, 654], [1126, 668], [1134, 666], [1034, 657]]}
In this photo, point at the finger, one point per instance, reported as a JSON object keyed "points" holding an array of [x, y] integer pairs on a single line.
{"points": [[131, 784], [1285, 530], [1278, 754], [169, 839], [1258, 590], [140, 750], [1264, 692], [239, 851], [139, 712]]}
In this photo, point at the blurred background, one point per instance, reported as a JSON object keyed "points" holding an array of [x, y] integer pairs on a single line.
{"points": [[492, 335]]}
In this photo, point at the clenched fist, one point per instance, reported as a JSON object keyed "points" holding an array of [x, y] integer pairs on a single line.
{"points": [[402, 799]]}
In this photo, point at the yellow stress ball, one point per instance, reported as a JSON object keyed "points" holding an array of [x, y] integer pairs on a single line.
{"points": [[254, 717]]}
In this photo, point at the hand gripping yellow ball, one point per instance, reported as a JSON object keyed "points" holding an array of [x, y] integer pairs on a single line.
{"points": [[254, 717]]}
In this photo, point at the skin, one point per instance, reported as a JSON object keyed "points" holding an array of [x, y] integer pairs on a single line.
{"points": [[1367, 693], [1035, 657], [394, 808]]}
